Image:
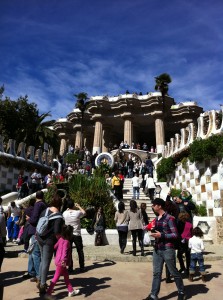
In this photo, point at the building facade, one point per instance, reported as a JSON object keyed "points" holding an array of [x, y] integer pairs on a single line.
{"points": [[128, 117]]}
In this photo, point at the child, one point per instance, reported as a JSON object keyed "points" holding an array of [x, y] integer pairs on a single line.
{"points": [[197, 246], [62, 260]]}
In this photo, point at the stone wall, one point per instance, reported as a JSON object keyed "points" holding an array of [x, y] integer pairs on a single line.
{"points": [[219, 230]]}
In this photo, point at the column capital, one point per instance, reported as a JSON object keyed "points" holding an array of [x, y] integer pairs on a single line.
{"points": [[127, 116], [97, 117], [77, 126]]}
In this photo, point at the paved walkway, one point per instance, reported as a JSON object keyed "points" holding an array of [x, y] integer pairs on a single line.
{"points": [[112, 276]]}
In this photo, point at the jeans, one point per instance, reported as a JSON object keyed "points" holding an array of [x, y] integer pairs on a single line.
{"points": [[122, 239], [34, 259], [12, 227], [59, 272], [135, 233], [136, 192], [159, 257], [46, 251], [194, 259], [77, 240]]}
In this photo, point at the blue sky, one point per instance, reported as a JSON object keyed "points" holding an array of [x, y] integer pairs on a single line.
{"points": [[52, 49]]}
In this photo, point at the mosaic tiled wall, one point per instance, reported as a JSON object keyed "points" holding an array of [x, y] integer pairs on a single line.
{"points": [[9, 178], [204, 181]]}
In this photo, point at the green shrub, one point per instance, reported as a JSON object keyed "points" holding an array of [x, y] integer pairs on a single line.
{"points": [[165, 167], [92, 192], [206, 149]]}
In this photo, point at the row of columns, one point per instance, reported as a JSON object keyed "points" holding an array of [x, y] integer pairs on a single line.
{"points": [[103, 133]]}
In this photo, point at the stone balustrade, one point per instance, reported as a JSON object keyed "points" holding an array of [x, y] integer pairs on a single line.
{"points": [[207, 125]]}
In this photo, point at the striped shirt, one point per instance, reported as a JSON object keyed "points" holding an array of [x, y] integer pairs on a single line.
{"points": [[166, 225]]}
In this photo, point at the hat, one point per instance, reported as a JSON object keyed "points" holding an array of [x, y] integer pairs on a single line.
{"points": [[159, 201]]}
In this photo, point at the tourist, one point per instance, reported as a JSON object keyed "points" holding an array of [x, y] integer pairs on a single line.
{"points": [[197, 247], [184, 227], [130, 165], [165, 232], [72, 216], [185, 196], [150, 186], [14, 213], [121, 221], [136, 227], [125, 145], [144, 147], [185, 206], [149, 166], [99, 225], [35, 181], [122, 180], [142, 171], [145, 219], [32, 217], [46, 243], [19, 184], [24, 190], [116, 185], [135, 186], [62, 261]]}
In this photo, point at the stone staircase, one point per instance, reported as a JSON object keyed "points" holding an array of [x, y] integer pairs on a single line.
{"points": [[128, 194]]}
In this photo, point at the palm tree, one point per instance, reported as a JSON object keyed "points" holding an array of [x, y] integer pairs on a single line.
{"points": [[162, 82], [82, 104]]}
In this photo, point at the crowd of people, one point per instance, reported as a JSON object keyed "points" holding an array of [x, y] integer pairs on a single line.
{"points": [[172, 228]]}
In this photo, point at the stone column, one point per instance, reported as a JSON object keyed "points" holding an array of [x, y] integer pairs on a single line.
{"points": [[128, 131], [160, 135], [97, 137], [63, 144], [78, 140], [105, 138]]}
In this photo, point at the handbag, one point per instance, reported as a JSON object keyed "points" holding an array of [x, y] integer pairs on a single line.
{"points": [[146, 239], [122, 227], [90, 230], [99, 228], [31, 247]]}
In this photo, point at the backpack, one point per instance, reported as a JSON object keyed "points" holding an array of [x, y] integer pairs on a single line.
{"points": [[42, 225]]}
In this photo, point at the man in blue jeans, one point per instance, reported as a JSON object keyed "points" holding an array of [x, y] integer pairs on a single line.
{"points": [[165, 232], [34, 257]]}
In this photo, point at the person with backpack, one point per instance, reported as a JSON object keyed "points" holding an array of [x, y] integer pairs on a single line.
{"points": [[48, 231], [32, 219], [62, 260]]}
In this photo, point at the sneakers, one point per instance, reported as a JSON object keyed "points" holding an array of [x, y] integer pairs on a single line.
{"points": [[74, 293], [182, 297]]}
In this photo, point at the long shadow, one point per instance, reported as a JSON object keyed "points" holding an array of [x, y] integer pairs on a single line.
{"points": [[190, 291], [11, 278], [87, 287], [96, 265]]}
